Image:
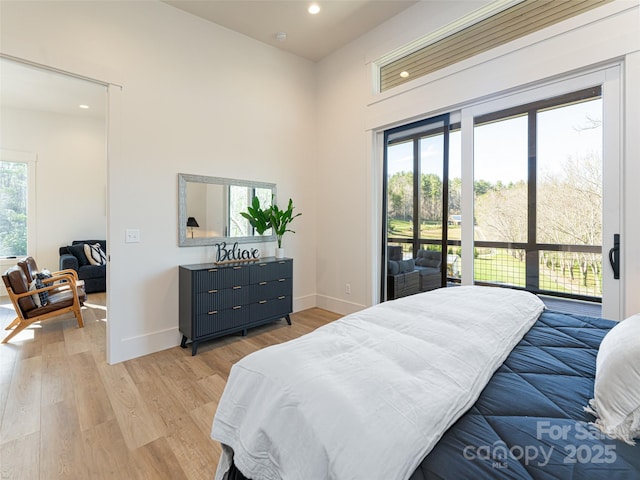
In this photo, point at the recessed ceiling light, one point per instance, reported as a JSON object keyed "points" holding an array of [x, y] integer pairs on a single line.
{"points": [[84, 106], [404, 74], [281, 36], [314, 8]]}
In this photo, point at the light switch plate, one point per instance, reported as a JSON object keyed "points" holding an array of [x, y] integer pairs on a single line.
{"points": [[132, 235]]}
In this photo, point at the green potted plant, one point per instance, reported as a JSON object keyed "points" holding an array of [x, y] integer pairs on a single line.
{"points": [[280, 220], [271, 217], [258, 218]]}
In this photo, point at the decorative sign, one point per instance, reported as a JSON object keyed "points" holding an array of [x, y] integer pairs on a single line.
{"points": [[235, 253]]}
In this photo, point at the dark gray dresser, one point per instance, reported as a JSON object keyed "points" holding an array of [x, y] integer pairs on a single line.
{"points": [[218, 299]]}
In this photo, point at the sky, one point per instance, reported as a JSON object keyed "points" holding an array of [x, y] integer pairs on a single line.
{"points": [[500, 149]]}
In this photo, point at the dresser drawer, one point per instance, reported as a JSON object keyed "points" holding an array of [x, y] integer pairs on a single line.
{"points": [[266, 271], [275, 307], [219, 321], [266, 290], [220, 278], [222, 299]]}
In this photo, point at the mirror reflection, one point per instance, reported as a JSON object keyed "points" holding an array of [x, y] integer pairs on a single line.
{"points": [[209, 209]]}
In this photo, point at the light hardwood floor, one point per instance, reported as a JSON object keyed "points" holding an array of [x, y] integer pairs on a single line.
{"points": [[66, 414]]}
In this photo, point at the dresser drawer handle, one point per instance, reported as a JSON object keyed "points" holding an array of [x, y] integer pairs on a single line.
{"points": [[237, 268], [213, 270], [281, 297], [282, 262], [237, 307], [212, 291], [282, 279], [237, 287], [262, 265], [262, 301], [262, 283], [212, 313]]}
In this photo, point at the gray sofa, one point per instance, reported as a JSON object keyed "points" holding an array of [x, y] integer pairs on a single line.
{"points": [[94, 276], [406, 277], [402, 278], [428, 264]]}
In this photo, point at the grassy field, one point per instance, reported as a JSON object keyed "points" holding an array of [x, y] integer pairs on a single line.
{"points": [[499, 268], [430, 231], [502, 267]]}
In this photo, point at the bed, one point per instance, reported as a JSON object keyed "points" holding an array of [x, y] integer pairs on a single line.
{"points": [[520, 413]]}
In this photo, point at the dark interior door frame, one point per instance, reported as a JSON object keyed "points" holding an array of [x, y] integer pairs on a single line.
{"points": [[414, 132]]}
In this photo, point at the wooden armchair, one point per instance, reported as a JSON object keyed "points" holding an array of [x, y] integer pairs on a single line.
{"points": [[30, 268], [60, 301]]}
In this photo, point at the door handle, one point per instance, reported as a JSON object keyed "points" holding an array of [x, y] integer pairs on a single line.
{"points": [[614, 256]]}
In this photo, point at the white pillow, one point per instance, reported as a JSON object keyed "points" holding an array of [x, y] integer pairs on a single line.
{"points": [[616, 402], [95, 254]]}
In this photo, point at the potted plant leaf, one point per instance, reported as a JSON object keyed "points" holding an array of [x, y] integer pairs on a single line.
{"points": [[258, 218], [271, 217], [280, 220]]}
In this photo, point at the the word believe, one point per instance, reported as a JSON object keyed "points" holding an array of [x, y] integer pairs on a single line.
{"points": [[235, 253]]}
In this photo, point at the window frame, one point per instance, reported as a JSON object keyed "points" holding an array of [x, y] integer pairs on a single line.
{"points": [[531, 246]]}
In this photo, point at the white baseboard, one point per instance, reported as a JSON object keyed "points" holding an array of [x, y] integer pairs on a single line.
{"points": [[138, 346], [304, 303], [337, 305]]}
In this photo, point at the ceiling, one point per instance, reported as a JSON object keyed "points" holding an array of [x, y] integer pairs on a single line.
{"points": [[32, 88], [309, 36]]}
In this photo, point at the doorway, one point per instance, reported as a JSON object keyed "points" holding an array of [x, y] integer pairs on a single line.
{"points": [[57, 122]]}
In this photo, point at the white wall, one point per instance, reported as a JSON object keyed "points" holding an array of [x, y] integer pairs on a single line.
{"points": [[196, 98], [349, 115], [71, 176], [346, 250], [200, 99]]}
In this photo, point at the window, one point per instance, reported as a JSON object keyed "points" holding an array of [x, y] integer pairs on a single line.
{"points": [[14, 208], [535, 184], [538, 196]]}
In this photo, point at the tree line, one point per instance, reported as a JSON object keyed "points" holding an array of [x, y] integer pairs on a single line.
{"points": [[568, 211], [13, 209]]}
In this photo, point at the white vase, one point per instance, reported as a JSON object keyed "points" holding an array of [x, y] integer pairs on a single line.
{"points": [[279, 252]]}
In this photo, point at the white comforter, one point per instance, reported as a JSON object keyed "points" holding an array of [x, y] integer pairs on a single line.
{"points": [[368, 396]]}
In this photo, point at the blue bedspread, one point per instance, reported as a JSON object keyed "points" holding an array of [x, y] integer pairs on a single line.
{"points": [[529, 421]]}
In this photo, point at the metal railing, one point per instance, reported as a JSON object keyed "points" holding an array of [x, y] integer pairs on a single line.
{"points": [[568, 271]]}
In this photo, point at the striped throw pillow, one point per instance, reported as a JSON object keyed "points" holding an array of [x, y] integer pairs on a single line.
{"points": [[95, 254], [43, 296]]}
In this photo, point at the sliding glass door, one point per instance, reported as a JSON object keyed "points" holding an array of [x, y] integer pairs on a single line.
{"points": [[538, 196], [534, 202], [422, 202], [545, 167]]}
